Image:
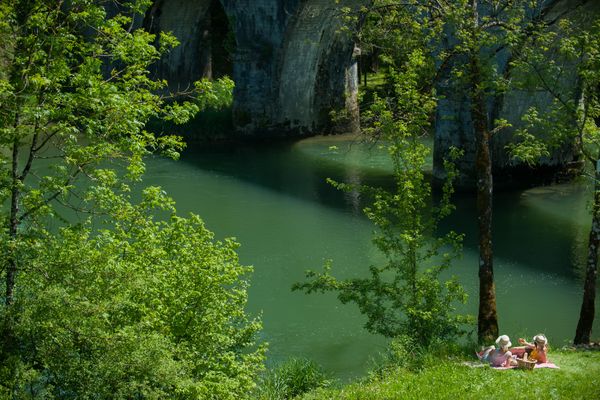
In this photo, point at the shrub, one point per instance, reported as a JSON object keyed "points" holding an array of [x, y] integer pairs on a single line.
{"points": [[290, 379]]}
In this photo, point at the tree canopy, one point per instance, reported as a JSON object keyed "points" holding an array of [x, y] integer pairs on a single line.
{"points": [[108, 295], [479, 54]]}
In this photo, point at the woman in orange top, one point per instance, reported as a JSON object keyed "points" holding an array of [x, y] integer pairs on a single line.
{"points": [[537, 350]]}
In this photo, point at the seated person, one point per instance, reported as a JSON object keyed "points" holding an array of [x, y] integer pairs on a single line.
{"points": [[499, 356], [535, 351]]}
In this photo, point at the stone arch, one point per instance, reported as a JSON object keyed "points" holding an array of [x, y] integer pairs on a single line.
{"points": [[290, 65], [206, 39], [318, 70], [454, 127]]}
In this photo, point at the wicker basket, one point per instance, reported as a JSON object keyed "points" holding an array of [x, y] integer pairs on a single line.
{"points": [[525, 364]]}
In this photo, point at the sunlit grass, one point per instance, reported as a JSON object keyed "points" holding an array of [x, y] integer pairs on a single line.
{"points": [[374, 80], [577, 378]]}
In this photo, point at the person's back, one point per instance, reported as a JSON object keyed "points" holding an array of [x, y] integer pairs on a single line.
{"points": [[499, 358]]}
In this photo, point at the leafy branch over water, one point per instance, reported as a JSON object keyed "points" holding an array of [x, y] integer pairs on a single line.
{"points": [[405, 295]]}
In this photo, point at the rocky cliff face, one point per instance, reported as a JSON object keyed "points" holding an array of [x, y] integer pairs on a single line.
{"points": [[190, 22], [317, 70]]}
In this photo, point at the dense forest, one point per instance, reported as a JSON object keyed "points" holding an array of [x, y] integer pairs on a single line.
{"points": [[110, 292]]}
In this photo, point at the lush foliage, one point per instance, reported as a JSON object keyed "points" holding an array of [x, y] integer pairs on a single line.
{"points": [[406, 295], [107, 295], [572, 109], [150, 309], [478, 50], [404, 352], [571, 115], [291, 379]]}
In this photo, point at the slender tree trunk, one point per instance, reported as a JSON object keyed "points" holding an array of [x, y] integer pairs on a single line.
{"points": [[17, 77], [487, 326], [586, 315], [487, 321], [8, 337], [11, 268]]}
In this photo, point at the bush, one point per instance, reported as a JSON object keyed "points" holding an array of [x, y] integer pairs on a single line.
{"points": [[147, 309], [290, 379]]}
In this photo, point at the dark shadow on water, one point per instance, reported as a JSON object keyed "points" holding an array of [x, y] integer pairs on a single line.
{"points": [[522, 235]]}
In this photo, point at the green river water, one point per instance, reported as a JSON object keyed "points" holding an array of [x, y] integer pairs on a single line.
{"points": [[275, 201]]}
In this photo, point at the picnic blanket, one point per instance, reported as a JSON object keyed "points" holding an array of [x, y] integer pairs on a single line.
{"points": [[540, 365], [475, 364]]}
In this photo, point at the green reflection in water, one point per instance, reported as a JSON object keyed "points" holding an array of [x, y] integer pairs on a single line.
{"points": [[275, 200]]}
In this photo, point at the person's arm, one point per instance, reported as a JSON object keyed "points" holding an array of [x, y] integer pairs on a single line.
{"points": [[510, 361], [525, 342]]}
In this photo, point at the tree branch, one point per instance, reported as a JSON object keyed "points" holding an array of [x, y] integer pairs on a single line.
{"points": [[32, 151], [45, 202]]}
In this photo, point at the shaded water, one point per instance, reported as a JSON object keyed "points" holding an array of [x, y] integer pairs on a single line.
{"points": [[275, 200]]}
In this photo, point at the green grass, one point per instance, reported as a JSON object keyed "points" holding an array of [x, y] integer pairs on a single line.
{"points": [[291, 379], [374, 80], [577, 378], [376, 83]]}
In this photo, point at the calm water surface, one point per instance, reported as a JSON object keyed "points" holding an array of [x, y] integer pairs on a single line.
{"points": [[275, 201]]}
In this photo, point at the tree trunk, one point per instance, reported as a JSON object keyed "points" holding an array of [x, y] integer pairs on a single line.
{"points": [[11, 268], [487, 326], [8, 338], [586, 315]]}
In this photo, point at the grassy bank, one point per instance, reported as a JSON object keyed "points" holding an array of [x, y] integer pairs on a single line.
{"points": [[577, 378]]}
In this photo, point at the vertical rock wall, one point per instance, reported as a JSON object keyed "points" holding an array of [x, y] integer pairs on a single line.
{"points": [[259, 27], [292, 66]]}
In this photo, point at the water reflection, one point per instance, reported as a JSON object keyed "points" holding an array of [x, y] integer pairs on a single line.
{"points": [[275, 200]]}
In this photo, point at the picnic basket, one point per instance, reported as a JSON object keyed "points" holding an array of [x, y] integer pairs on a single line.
{"points": [[523, 363]]}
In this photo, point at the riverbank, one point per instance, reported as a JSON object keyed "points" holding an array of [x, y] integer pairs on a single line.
{"points": [[577, 378]]}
